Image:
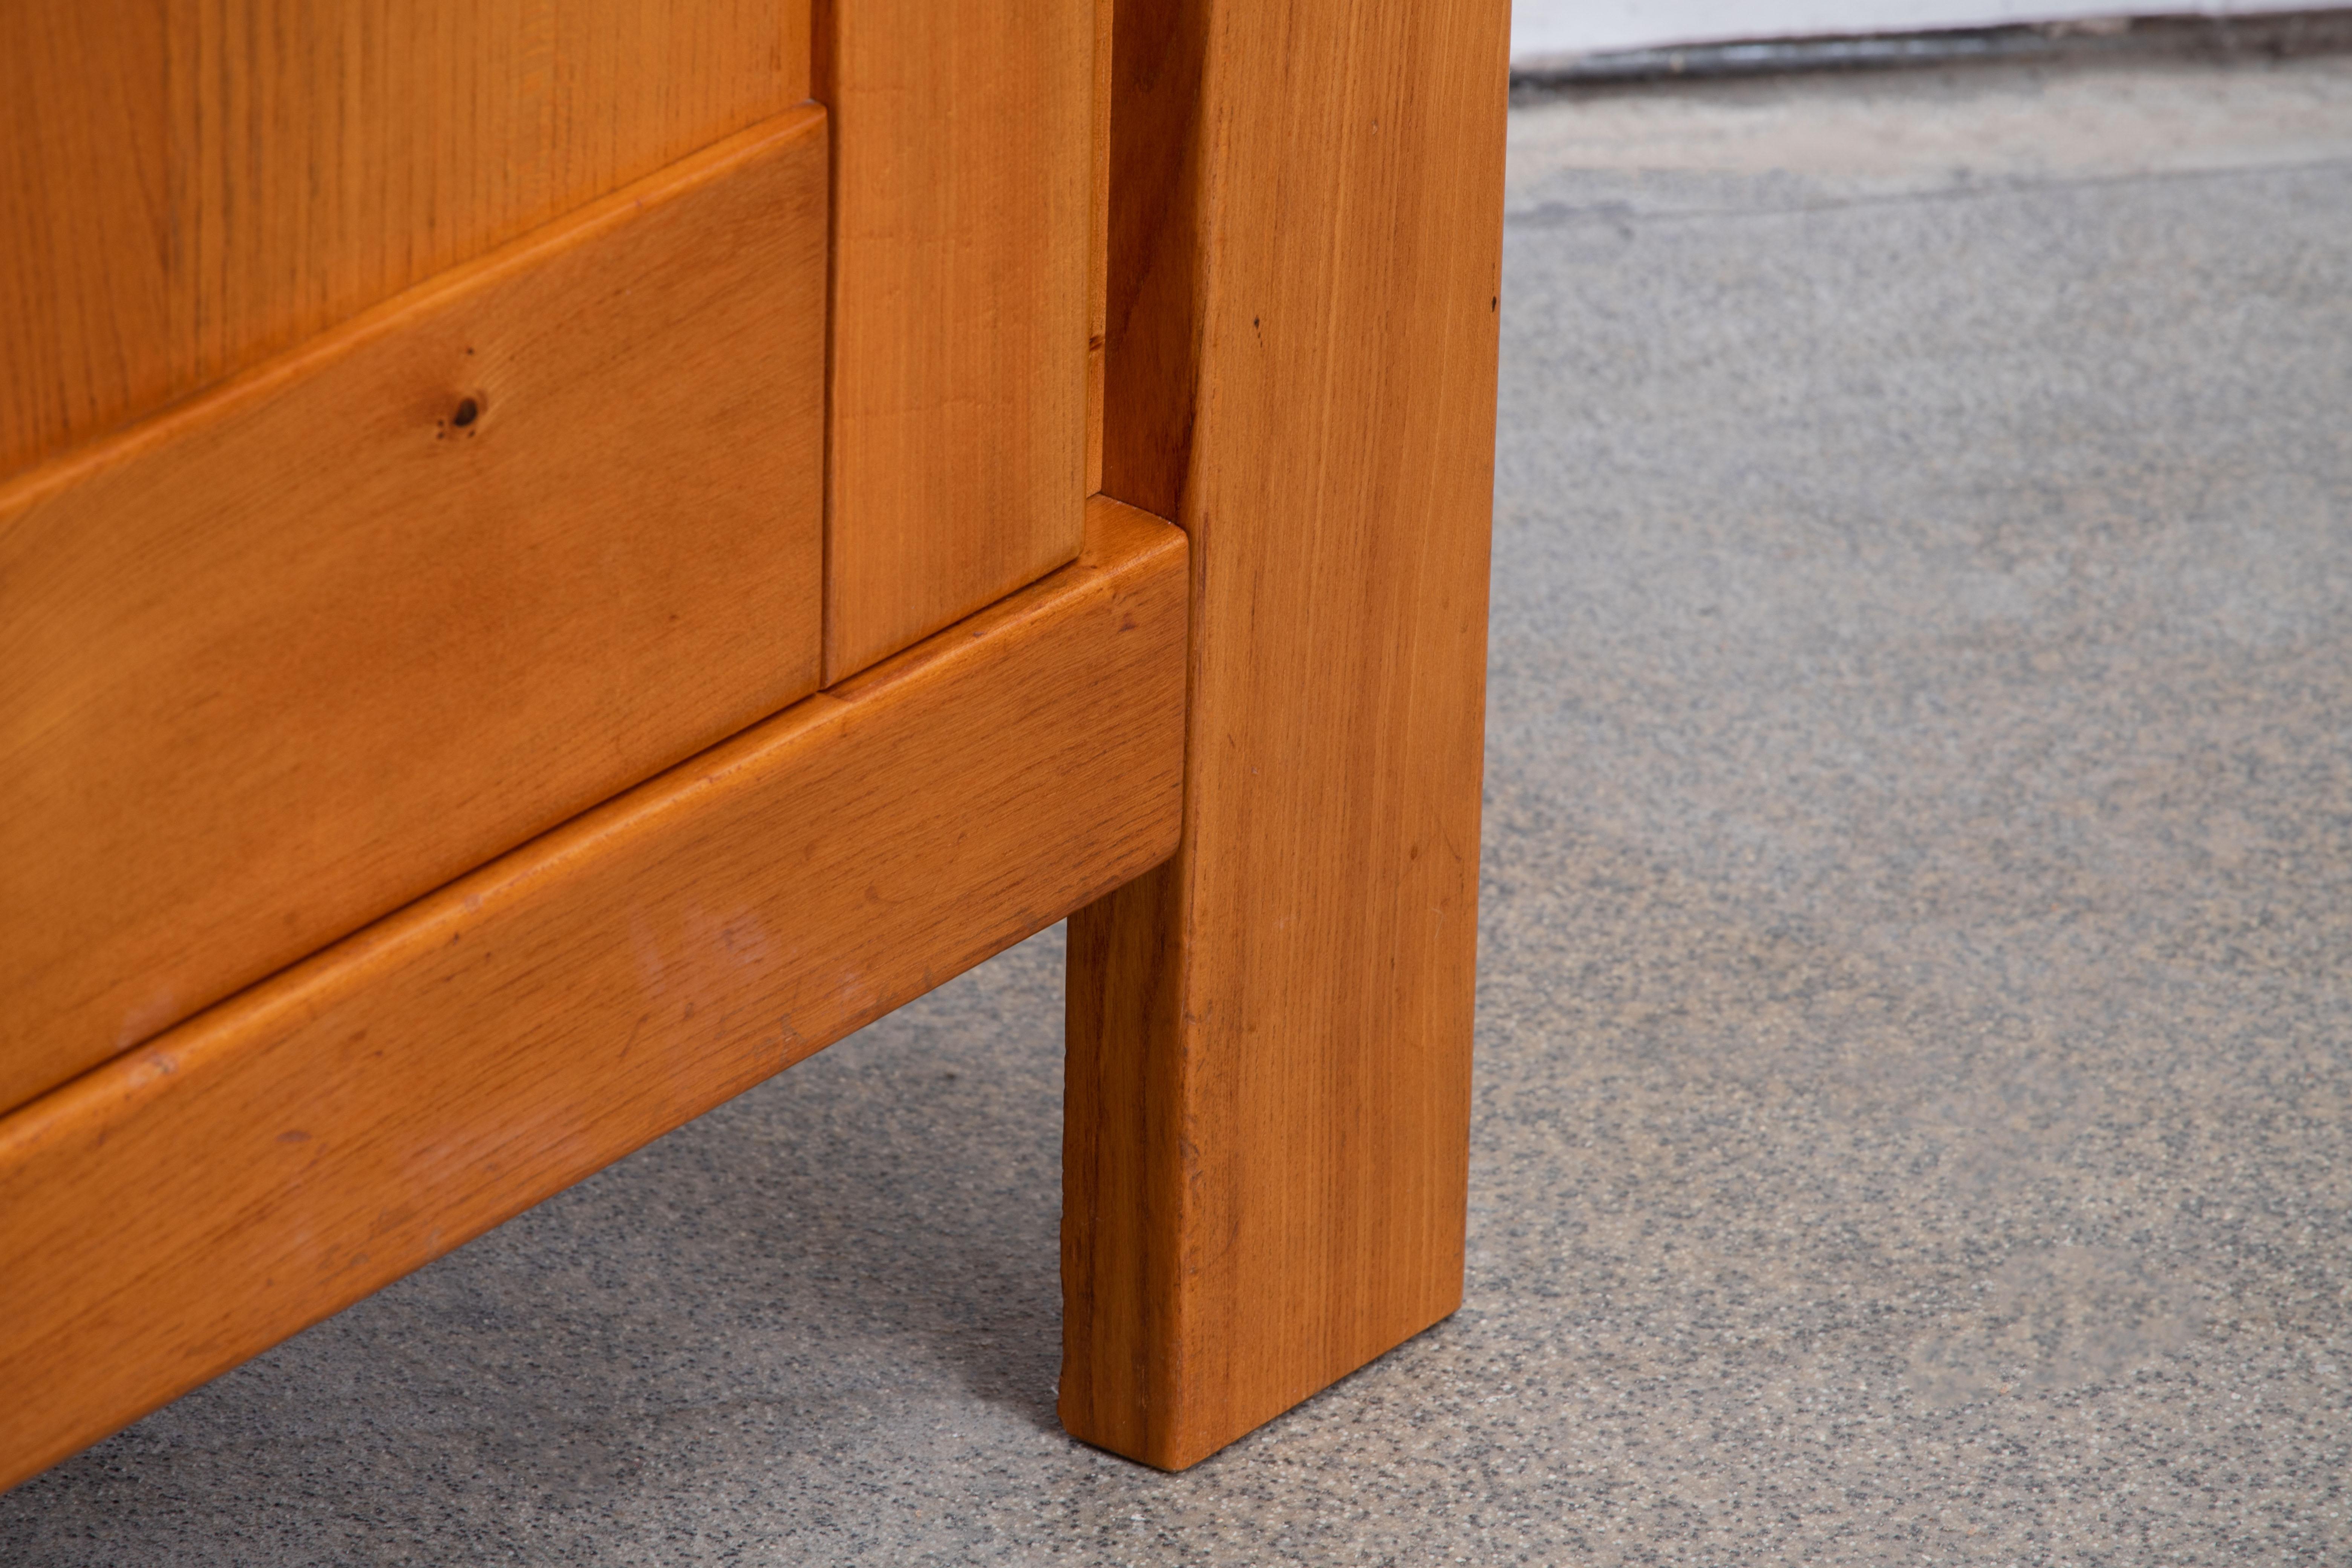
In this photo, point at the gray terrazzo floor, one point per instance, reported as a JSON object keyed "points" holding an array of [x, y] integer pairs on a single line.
{"points": [[1914, 1095]]}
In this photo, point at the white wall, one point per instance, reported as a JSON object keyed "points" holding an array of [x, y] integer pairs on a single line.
{"points": [[1541, 27]]}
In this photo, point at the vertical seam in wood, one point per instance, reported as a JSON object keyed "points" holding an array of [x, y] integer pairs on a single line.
{"points": [[821, 86]]}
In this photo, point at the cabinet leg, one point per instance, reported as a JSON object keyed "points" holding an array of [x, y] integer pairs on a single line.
{"points": [[1266, 1145]]}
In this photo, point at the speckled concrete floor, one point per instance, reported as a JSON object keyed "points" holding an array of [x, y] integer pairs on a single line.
{"points": [[1915, 1112]]}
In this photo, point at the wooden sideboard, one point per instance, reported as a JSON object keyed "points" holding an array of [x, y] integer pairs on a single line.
{"points": [[558, 556]]}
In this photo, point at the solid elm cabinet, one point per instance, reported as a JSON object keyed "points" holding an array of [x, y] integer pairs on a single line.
{"points": [[557, 558]]}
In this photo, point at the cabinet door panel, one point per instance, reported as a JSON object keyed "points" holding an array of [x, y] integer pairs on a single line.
{"points": [[297, 652]]}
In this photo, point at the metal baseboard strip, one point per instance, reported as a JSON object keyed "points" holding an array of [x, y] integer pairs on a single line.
{"points": [[2273, 35]]}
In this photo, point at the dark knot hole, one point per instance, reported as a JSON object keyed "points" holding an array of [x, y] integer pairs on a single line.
{"points": [[467, 412]]}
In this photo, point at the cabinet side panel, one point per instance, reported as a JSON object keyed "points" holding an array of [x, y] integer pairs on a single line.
{"points": [[189, 187], [285, 658], [962, 178]]}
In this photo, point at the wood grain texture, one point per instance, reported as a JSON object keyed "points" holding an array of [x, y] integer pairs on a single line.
{"points": [[962, 167], [189, 187], [1269, 1038], [350, 1119], [312, 645], [1098, 246], [1155, 257]]}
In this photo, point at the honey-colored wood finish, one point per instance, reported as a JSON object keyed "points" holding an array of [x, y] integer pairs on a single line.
{"points": [[309, 646], [1269, 1038], [1098, 246], [346, 1121], [956, 468], [189, 187]]}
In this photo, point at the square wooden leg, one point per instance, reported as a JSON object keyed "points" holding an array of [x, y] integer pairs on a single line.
{"points": [[1269, 1038]]}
